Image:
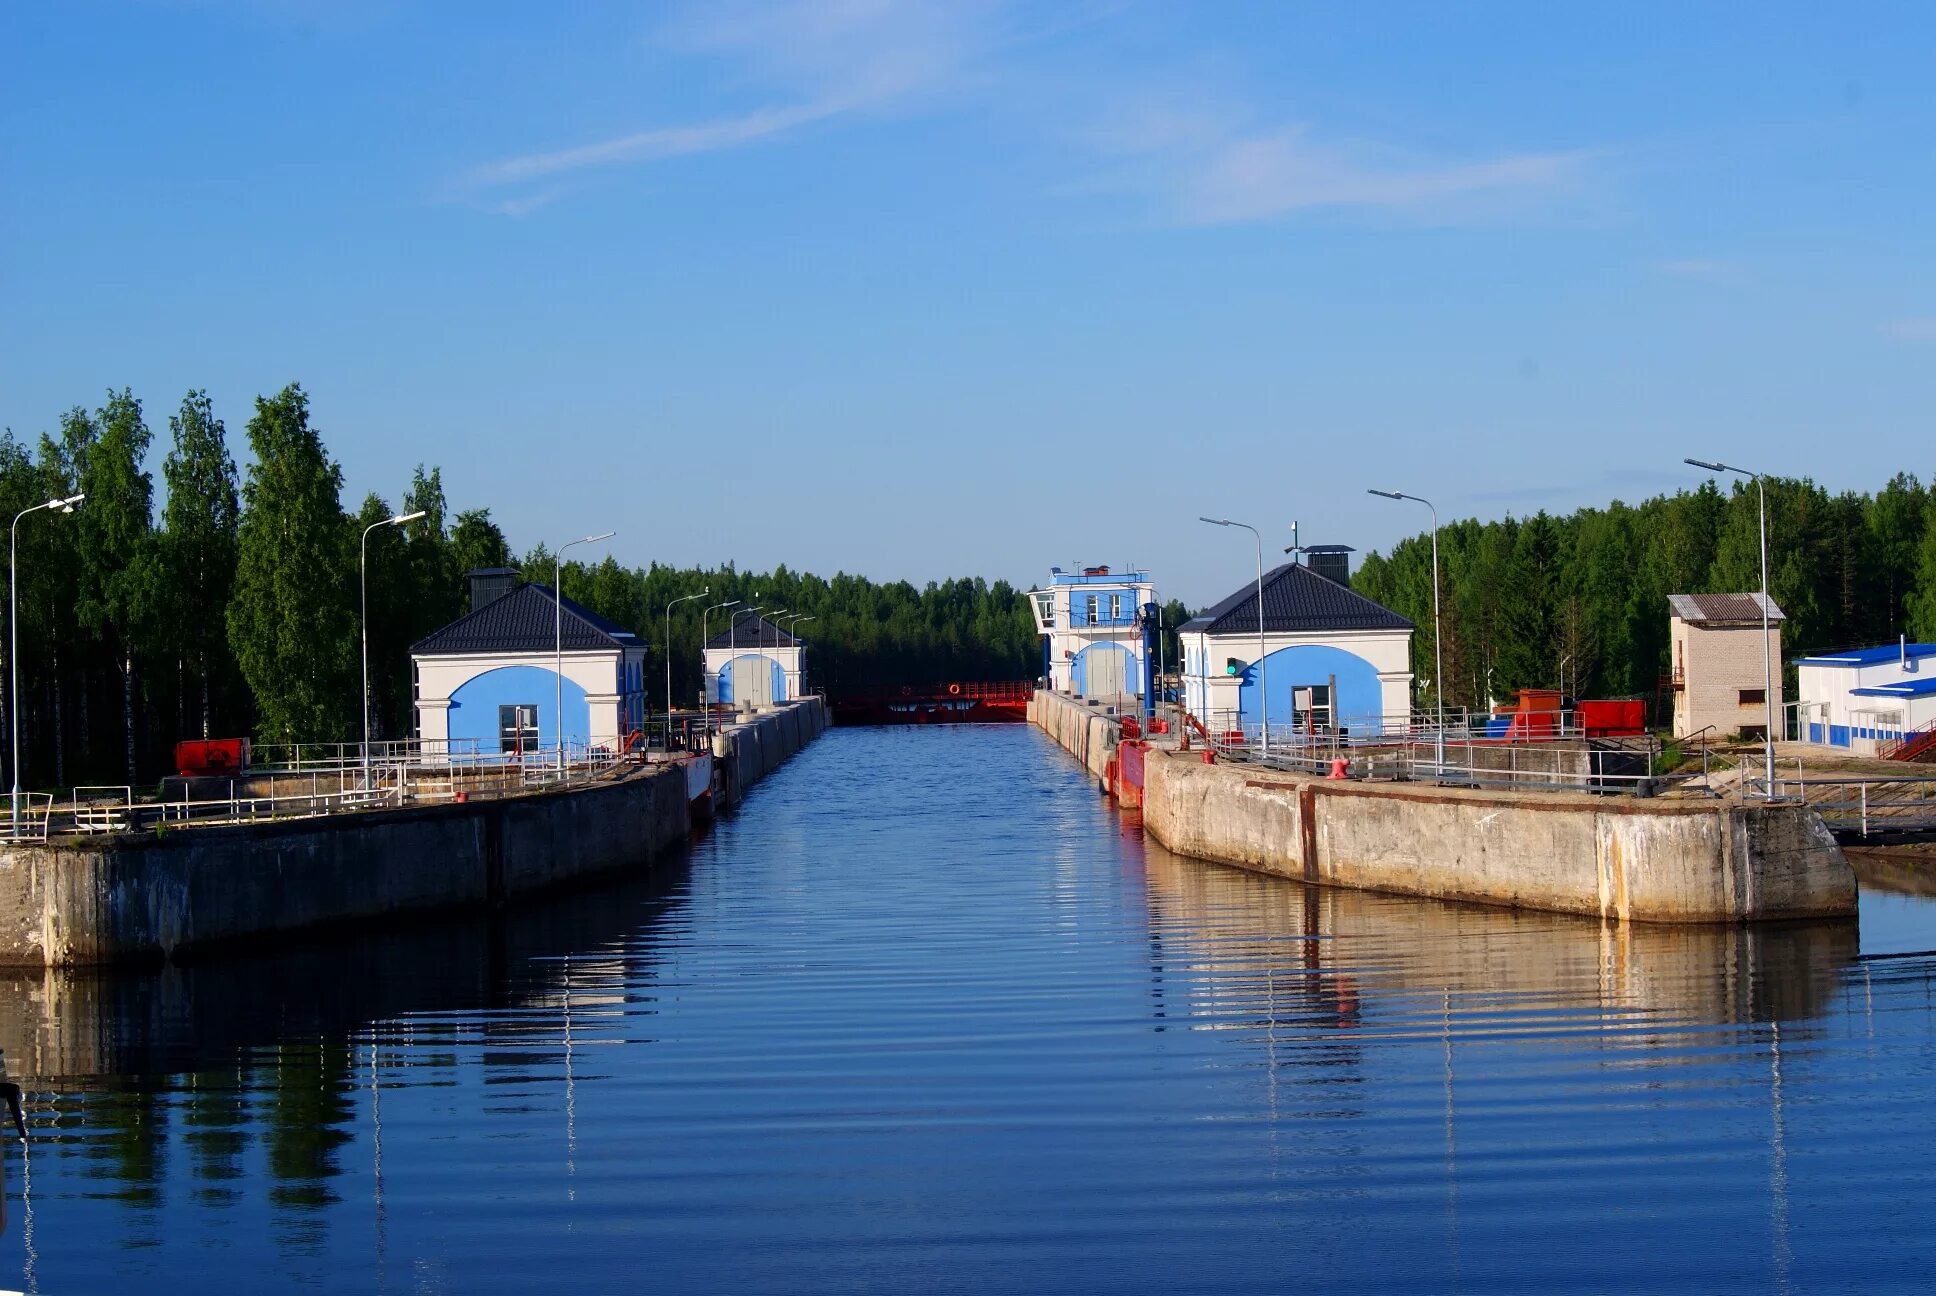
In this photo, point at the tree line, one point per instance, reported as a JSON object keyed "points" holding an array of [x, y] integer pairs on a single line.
{"points": [[234, 609], [1581, 600]]}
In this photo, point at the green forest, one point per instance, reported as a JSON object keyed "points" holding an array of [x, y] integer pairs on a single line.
{"points": [[233, 607], [1527, 600]]}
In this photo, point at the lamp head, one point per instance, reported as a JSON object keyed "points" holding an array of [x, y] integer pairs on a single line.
{"points": [[1215, 521], [1711, 467], [401, 518], [1387, 494]]}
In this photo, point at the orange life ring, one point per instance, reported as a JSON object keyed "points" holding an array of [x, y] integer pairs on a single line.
{"points": [[954, 690]]}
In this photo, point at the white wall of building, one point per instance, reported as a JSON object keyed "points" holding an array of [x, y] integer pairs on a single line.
{"points": [[1212, 695], [596, 672], [1830, 712], [1117, 625], [790, 661]]}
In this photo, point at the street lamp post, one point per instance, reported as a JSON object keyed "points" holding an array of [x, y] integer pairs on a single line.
{"points": [[800, 658], [1438, 651], [732, 636], [363, 585], [13, 617], [1767, 632], [702, 648], [705, 643], [558, 629], [1263, 690]]}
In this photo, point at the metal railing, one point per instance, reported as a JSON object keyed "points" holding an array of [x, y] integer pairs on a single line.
{"points": [[36, 812], [97, 814], [325, 786], [1861, 806], [1617, 766]]}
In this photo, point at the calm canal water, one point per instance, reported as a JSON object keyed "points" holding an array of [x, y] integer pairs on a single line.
{"points": [[927, 1016]]}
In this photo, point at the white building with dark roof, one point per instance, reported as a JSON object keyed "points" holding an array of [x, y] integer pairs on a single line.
{"points": [[489, 683], [1720, 663], [1331, 656], [753, 663]]}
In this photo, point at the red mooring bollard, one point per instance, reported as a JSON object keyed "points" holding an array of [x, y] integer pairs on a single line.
{"points": [[1340, 769]]}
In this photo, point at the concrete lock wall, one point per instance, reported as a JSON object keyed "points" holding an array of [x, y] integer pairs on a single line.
{"points": [[1648, 861], [147, 897], [1611, 857], [747, 750], [1082, 729]]}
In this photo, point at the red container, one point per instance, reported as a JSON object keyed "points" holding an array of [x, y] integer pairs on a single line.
{"points": [[1613, 717], [212, 757]]}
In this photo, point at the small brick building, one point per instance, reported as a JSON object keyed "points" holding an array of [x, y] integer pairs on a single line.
{"points": [[1720, 672]]}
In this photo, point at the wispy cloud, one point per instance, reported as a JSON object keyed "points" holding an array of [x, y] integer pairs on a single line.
{"points": [[1204, 163], [652, 145], [527, 203], [1914, 328], [819, 60], [1202, 157], [1277, 175]]}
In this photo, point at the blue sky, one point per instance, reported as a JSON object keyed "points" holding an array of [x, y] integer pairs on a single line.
{"points": [[916, 290]]}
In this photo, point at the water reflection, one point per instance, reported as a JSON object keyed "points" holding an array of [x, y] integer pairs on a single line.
{"points": [[250, 1065], [1265, 951]]}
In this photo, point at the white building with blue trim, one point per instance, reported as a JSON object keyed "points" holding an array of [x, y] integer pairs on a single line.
{"points": [[1331, 656], [489, 682], [753, 663], [1091, 623], [1862, 698]]}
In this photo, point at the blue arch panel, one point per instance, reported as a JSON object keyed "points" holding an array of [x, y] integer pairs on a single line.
{"points": [[725, 682], [474, 706], [1079, 668], [1360, 701]]}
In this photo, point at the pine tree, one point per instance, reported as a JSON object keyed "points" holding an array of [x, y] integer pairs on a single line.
{"points": [[198, 547], [292, 619], [120, 588], [1922, 602]]}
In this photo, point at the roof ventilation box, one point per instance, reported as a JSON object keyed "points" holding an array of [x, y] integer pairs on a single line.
{"points": [[489, 584], [1333, 562]]}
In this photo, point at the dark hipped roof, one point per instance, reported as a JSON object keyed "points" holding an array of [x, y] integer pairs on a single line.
{"points": [[1742, 608], [525, 621], [1296, 601], [756, 633]]}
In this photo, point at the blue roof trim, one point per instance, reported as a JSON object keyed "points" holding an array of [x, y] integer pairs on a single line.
{"points": [[1906, 689], [1868, 656]]}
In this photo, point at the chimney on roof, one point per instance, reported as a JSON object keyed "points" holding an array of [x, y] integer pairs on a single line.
{"points": [[1333, 562], [489, 584]]}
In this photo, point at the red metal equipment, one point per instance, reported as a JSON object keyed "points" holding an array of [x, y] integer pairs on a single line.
{"points": [[1612, 717], [1537, 716], [212, 757]]}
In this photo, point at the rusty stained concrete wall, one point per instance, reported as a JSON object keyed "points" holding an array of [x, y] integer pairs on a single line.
{"points": [[148, 897], [1611, 857], [1605, 856]]}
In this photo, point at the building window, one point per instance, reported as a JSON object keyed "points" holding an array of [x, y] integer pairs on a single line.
{"points": [[517, 728], [1115, 608], [1092, 604], [1754, 697]]}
